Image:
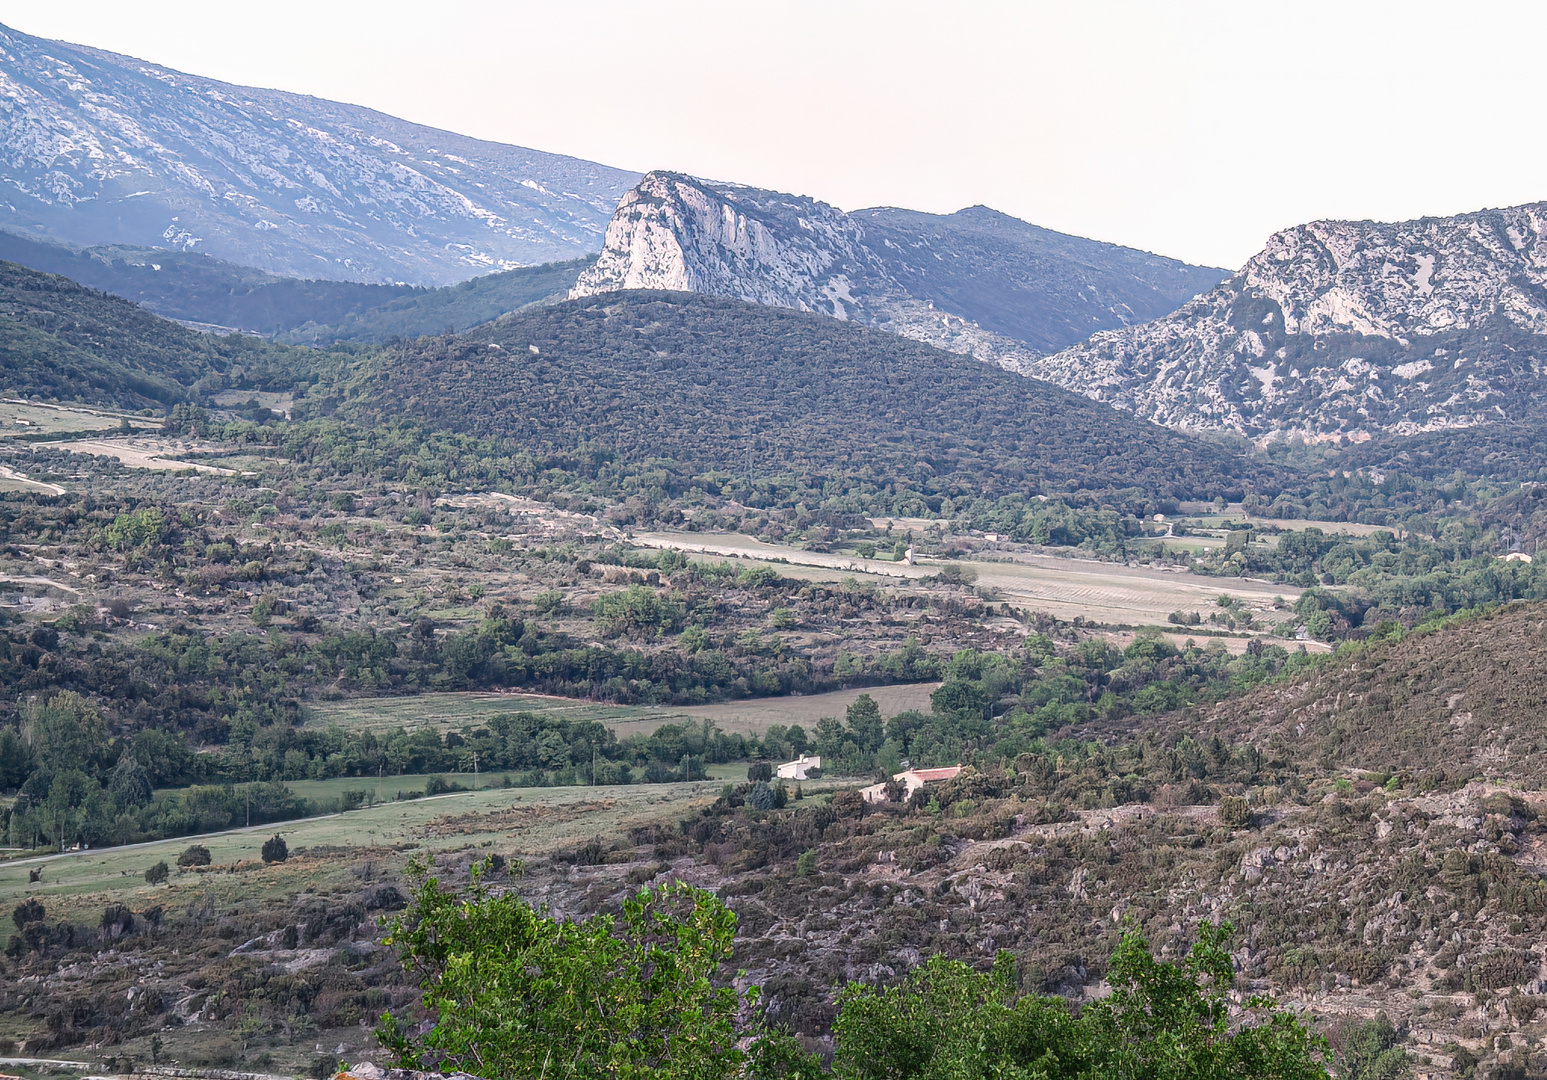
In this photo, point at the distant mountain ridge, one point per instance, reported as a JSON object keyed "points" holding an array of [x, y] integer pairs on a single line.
{"points": [[1341, 329], [975, 282], [98, 148]]}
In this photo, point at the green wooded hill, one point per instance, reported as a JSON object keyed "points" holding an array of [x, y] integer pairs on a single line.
{"points": [[200, 288], [60, 339], [712, 385], [450, 308]]}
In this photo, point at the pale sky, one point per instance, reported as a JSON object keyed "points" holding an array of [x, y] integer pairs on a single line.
{"points": [[1191, 128]]}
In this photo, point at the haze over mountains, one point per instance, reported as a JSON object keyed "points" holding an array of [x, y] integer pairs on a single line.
{"points": [[98, 148]]}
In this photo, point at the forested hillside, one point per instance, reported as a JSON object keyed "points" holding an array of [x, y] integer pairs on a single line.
{"points": [[449, 308], [200, 288], [705, 384], [63, 340]]}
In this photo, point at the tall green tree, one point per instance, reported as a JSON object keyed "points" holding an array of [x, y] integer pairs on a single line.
{"points": [[68, 732], [516, 993], [865, 727]]}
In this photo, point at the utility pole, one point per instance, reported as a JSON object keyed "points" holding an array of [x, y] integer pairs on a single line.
{"points": [[475, 770], [247, 792]]}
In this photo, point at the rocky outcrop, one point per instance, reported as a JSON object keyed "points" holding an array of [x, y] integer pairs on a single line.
{"points": [[1343, 330], [971, 282], [98, 148]]}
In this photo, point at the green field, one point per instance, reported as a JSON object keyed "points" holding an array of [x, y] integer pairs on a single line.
{"points": [[749, 717], [443, 711], [515, 822]]}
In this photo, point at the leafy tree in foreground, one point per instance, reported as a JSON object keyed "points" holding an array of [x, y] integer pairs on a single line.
{"points": [[1162, 1021], [515, 993]]}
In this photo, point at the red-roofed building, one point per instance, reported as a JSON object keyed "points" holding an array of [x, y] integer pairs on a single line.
{"points": [[911, 780]]}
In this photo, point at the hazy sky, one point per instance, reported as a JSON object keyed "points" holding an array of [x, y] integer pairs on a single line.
{"points": [[1191, 128]]}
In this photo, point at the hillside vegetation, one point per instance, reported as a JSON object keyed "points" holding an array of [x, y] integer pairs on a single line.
{"points": [[449, 308], [63, 340], [200, 288], [705, 384], [1451, 704]]}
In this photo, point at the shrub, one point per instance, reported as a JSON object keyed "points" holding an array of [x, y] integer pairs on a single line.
{"points": [[28, 911], [439, 785], [195, 855], [275, 849], [805, 863], [157, 873], [1234, 812]]}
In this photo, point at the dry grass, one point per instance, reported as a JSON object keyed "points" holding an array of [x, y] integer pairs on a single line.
{"points": [[1063, 587], [144, 453], [35, 418]]}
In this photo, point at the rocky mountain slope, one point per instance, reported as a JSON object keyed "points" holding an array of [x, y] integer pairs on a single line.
{"points": [[975, 282], [1343, 329], [98, 148]]}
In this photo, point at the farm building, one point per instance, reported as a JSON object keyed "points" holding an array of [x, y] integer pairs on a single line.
{"points": [[911, 780], [799, 768]]}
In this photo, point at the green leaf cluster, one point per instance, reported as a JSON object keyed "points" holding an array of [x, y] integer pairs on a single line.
{"points": [[516, 993]]}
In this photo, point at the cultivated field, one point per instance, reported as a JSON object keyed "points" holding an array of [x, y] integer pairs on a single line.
{"points": [[443, 711], [280, 403], [19, 417], [1111, 593], [755, 716], [11, 480], [1063, 587], [144, 453]]}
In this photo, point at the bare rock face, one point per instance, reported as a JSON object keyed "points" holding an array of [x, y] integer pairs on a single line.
{"points": [[976, 282], [1343, 329], [98, 148]]}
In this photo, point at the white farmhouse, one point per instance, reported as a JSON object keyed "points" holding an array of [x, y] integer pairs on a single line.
{"points": [[797, 769], [911, 780]]}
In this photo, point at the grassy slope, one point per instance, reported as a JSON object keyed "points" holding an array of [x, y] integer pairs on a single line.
{"points": [[707, 384]]}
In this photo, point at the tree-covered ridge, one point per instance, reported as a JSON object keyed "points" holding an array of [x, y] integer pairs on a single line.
{"points": [[62, 340], [700, 384], [449, 308], [200, 288]]}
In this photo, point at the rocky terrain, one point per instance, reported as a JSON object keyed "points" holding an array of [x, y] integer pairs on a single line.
{"points": [[976, 282], [1342, 329], [98, 148]]}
